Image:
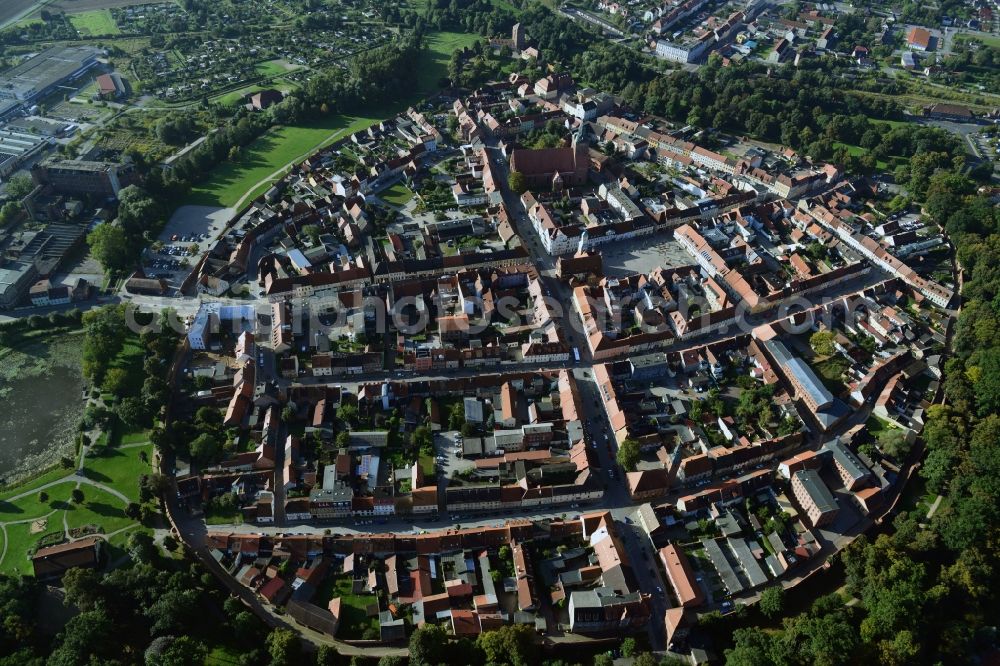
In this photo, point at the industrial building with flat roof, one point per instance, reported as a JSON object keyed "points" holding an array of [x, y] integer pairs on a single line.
{"points": [[40, 75], [81, 177], [16, 277]]}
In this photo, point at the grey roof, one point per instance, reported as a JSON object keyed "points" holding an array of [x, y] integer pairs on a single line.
{"points": [[831, 414], [802, 372], [846, 459], [747, 561], [728, 524], [36, 75], [816, 489], [473, 410], [810, 383], [722, 565], [648, 360]]}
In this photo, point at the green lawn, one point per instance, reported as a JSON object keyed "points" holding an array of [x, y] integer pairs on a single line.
{"points": [[217, 517], [51, 475], [223, 656], [398, 195], [130, 360], [989, 40], [434, 60], [32, 507], [96, 22], [279, 147], [98, 508], [235, 96], [139, 437], [831, 371], [120, 468], [876, 426], [19, 540], [354, 615], [272, 152], [274, 68], [427, 464]]}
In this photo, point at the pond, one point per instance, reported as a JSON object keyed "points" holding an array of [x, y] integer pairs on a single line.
{"points": [[41, 386]]}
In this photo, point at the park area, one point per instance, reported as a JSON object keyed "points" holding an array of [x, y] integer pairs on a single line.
{"points": [[267, 159], [73, 495], [44, 510]]}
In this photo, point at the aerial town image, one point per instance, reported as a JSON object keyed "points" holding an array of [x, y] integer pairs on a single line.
{"points": [[499, 332]]}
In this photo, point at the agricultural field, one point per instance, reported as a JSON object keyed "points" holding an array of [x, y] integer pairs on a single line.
{"points": [[12, 11], [97, 22]]}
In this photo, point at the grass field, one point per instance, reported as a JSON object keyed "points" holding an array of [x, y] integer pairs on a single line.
{"points": [[989, 40], [19, 540], [120, 468], [434, 60], [96, 22], [254, 172], [354, 616], [858, 151], [270, 153], [275, 68], [398, 195], [234, 96], [831, 371]]}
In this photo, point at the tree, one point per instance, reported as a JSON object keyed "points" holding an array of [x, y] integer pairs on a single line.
{"points": [[772, 601], [43, 497], [327, 655], [894, 443], [391, 660], [645, 659], [312, 232], [8, 212], [77, 496], [284, 647], [348, 413], [172, 611], [205, 448], [517, 182], [988, 383], [822, 343], [170, 651], [20, 186], [132, 412], [208, 417], [116, 381], [629, 647], [110, 247], [428, 646], [512, 644], [628, 455], [83, 588]]}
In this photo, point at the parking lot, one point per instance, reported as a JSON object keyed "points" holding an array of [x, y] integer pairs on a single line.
{"points": [[188, 234], [642, 255], [447, 460]]}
